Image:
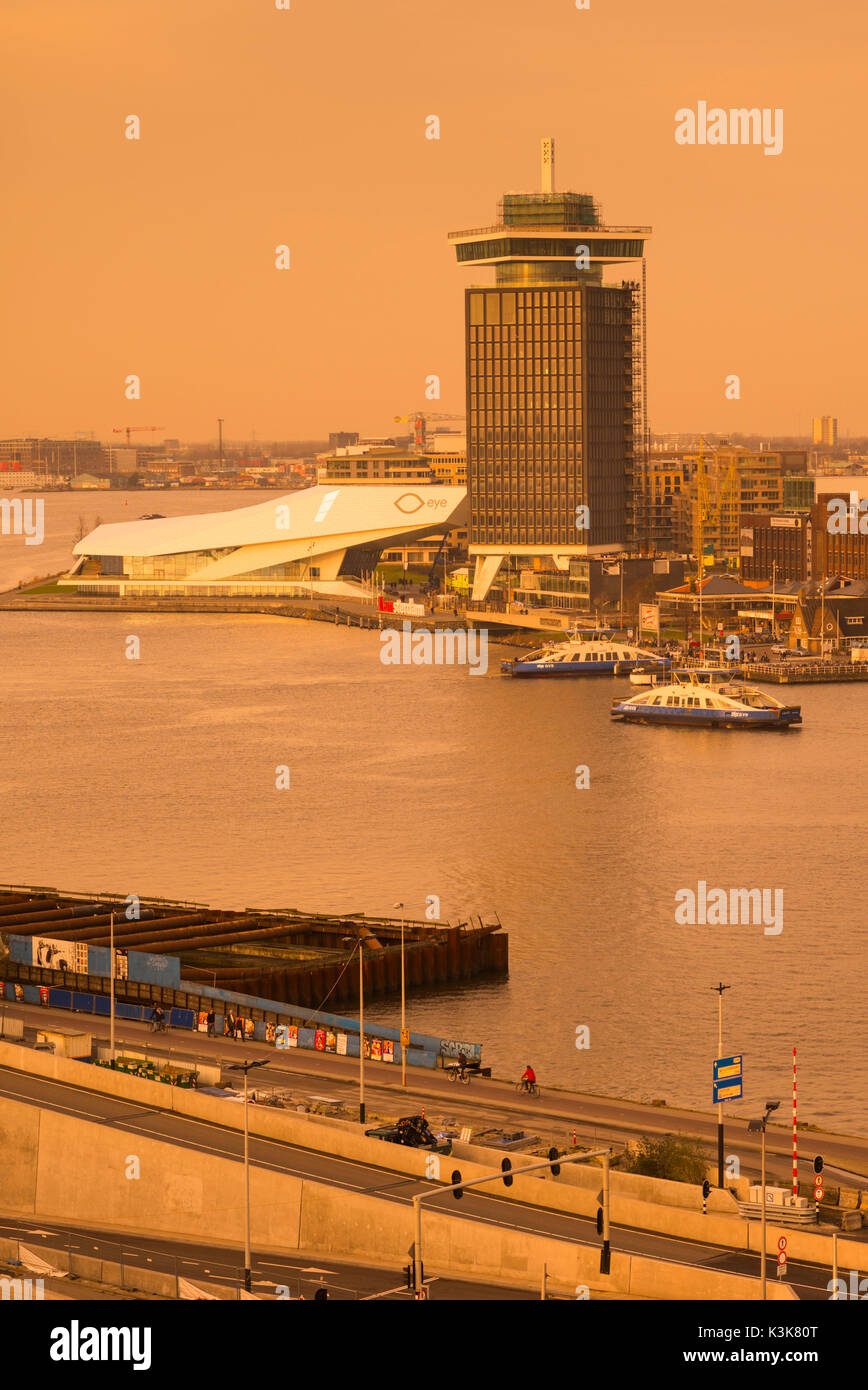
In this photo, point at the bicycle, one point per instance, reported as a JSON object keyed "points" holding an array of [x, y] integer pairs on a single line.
{"points": [[158, 1025], [532, 1090], [459, 1074]]}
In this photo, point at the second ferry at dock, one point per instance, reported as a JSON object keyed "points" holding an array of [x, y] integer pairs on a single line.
{"points": [[604, 656]]}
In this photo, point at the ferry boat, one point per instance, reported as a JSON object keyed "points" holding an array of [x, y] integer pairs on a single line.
{"points": [[707, 675], [700, 675], [598, 657], [697, 705]]}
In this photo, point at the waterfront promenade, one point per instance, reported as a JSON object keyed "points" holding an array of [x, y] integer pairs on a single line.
{"points": [[321, 1078]]}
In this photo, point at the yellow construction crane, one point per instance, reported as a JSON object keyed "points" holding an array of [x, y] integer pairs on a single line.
{"points": [[725, 507]]}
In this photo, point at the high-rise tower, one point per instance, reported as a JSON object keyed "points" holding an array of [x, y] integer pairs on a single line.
{"points": [[825, 431], [555, 385]]}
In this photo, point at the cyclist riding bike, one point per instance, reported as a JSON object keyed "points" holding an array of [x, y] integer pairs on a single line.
{"points": [[528, 1079]]}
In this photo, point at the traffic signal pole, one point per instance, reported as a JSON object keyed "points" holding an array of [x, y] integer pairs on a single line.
{"points": [[457, 1186], [605, 1253], [417, 1247]]}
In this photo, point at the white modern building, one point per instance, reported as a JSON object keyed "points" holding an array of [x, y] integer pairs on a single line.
{"points": [[322, 541]]}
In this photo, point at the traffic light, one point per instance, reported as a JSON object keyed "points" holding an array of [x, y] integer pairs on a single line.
{"points": [[457, 1192], [599, 1221], [506, 1168], [818, 1164], [556, 1167], [706, 1188], [408, 1275]]}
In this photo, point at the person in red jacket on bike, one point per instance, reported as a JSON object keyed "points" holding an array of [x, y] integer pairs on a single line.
{"points": [[528, 1079]]}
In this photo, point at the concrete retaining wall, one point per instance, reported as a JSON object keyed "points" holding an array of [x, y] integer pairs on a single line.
{"points": [[81, 1168], [573, 1192]]}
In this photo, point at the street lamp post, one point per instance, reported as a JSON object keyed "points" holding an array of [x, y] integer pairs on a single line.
{"points": [[246, 1067], [756, 1127], [403, 995]]}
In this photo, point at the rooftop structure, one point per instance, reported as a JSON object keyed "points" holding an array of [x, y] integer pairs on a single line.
{"points": [[320, 540]]}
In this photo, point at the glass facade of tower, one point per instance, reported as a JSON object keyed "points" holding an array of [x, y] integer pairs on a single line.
{"points": [[549, 414]]}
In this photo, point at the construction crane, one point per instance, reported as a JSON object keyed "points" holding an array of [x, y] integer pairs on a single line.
{"points": [[725, 507], [420, 420], [136, 429]]}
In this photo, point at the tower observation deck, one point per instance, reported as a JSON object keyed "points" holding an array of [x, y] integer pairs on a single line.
{"points": [[538, 237]]}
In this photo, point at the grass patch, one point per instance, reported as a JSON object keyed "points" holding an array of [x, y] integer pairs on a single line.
{"points": [[52, 588]]}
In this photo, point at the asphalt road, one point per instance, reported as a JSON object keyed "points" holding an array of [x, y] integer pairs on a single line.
{"points": [[274, 1278], [809, 1281], [594, 1118]]}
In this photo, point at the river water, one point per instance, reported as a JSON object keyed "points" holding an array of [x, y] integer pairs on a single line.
{"points": [[157, 776]]}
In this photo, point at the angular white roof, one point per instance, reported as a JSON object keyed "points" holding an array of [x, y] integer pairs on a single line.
{"points": [[351, 513]]}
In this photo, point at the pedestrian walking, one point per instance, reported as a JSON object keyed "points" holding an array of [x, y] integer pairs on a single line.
{"points": [[209, 1019], [239, 1027]]}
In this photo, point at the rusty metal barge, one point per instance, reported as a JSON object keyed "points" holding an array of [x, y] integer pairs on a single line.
{"points": [[287, 955]]}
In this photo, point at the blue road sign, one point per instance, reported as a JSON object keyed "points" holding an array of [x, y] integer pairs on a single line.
{"points": [[728, 1068], [727, 1090]]}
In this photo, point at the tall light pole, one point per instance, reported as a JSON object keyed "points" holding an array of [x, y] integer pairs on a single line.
{"points": [[359, 941], [403, 1019], [719, 990], [755, 1127], [246, 1067], [361, 1033], [112, 989]]}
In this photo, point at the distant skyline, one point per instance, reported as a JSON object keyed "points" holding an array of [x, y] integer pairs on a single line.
{"points": [[306, 128]]}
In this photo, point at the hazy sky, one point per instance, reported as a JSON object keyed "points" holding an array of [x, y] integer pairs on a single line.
{"points": [[307, 127]]}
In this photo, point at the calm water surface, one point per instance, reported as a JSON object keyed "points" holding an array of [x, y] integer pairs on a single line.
{"points": [[157, 777]]}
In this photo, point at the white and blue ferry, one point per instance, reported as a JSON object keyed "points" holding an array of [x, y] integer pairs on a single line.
{"points": [[605, 656], [696, 705]]}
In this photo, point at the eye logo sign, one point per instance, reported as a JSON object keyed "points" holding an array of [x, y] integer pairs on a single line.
{"points": [[409, 502], [326, 505]]}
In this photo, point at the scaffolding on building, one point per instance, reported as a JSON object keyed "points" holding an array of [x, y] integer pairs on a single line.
{"points": [[639, 506]]}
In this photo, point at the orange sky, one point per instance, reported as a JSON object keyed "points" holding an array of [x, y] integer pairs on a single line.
{"points": [[307, 127]]}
